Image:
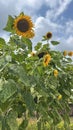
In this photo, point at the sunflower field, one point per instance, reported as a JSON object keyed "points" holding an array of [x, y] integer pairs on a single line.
{"points": [[33, 84]]}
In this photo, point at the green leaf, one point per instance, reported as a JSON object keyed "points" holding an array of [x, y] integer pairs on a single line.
{"points": [[23, 77], [55, 42], [9, 89], [9, 25], [45, 47], [38, 46], [2, 43], [66, 92], [69, 60], [29, 102], [23, 125], [22, 13], [14, 40], [27, 42], [19, 57], [44, 38]]}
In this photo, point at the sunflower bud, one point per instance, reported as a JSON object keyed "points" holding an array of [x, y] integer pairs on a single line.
{"points": [[55, 73], [65, 53], [59, 97]]}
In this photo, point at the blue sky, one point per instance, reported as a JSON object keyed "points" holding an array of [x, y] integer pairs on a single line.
{"points": [[55, 16], [68, 14]]}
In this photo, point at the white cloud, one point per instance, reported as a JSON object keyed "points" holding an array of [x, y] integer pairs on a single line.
{"points": [[61, 32], [52, 3], [70, 42], [43, 25], [66, 44], [69, 27], [29, 5]]}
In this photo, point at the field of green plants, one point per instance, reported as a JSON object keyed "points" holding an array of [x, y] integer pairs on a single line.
{"points": [[34, 83], [33, 124]]}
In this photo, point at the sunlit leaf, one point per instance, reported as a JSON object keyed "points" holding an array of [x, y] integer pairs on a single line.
{"points": [[9, 25]]}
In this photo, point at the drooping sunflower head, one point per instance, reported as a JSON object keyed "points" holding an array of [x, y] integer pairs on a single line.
{"points": [[48, 35], [23, 26]]}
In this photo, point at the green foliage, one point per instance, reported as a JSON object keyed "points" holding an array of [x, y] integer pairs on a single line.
{"points": [[2, 43], [24, 77], [38, 46], [23, 125]]}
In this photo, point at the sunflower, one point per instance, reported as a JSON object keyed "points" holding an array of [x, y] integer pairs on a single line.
{"points": [[70, 53], [47, 59], [55, 73], [48, 35], [65, 53], [23, 26]]}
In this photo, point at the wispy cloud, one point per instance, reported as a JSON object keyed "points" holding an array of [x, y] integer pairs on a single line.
{"points": [[57, 8], [63, 6]]}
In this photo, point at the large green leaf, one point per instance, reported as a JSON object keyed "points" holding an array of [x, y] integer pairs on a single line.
{"points": [[9, 25], [22, 74], [9, 89]]}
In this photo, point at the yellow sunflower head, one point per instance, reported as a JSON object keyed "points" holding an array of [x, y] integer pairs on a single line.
{"points": [[48, 35], [23, 26], [47, 59], [70, 53]]}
